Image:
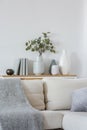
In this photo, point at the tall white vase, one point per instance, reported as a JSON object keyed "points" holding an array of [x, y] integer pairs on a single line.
{"points": [[38, 65], [64, 63]]}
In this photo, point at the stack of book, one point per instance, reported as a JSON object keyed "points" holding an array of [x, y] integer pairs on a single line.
{"points": [[22, 67]]}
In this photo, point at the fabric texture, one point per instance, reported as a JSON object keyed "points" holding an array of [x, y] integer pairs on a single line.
{"points": [[15, 111], [86, 108], [58, 92], [34, 92], [52, 119], [79, 100], [75, 121]]}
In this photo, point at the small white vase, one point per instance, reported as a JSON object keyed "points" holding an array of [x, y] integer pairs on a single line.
{"points": [[38, 65], [64, 63], [54, 69]]}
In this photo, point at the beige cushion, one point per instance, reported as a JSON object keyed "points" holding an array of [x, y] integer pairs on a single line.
{"points": [[75, 121], [58, 92], [34, 92], [52, 119]]}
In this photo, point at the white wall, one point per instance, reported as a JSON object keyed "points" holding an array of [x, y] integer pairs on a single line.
{"points": [[84, 43], [21, 20]]}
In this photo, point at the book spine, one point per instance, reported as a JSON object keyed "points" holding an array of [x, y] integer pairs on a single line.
{"points": [[26, 67], [16, 66], [21, 67], [23, 61]]}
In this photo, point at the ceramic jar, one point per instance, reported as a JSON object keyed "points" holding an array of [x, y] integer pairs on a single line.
{"points": [[38, 65], [53, 62], [54, 70], [64, 63], [9, 71]]}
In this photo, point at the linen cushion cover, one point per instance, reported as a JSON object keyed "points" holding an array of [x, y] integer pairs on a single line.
{"points": [[34, 92], [58, 91], [52, 119], [79, 100], [75, 121]]}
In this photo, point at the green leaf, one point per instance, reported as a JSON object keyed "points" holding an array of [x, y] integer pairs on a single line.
{"points": [[28, 48], [26, 43], [33, 49], [40, 44]]}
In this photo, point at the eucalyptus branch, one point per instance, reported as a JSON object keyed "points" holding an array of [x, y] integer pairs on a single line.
{"points": [[40, 44]]}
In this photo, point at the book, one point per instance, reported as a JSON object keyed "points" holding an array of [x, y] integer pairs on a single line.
{"points": [[17, 67], [26, 67], [21, 67]]}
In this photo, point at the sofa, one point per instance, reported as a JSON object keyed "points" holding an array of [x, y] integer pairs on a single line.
{"points": [[53, 98]]}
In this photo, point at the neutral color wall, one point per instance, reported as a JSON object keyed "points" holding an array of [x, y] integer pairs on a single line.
{"points": [[84, 44], [21, 20]]}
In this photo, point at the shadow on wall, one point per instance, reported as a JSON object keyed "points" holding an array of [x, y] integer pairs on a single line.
{"points": [[75, 64]]}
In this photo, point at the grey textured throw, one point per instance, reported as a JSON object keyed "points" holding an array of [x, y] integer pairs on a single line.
{"points": [[15, 111]]}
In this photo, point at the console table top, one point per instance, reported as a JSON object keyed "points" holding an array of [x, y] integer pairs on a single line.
{"points": [[37, 76]]}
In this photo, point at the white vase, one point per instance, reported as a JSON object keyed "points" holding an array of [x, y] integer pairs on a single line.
{"points": [[54, 69], [38, 65], [64, 63]]}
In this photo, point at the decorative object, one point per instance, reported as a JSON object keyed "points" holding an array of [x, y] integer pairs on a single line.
{"points": [[34, 93], [79, 100], [54, 70], [16, 112], [64, 63], [22, 67], [38, 65], [53, 62], [9, 71], [41, 45]]}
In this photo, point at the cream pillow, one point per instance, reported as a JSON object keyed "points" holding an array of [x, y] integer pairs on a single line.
{"points": [[34, 92], [58, 92]]}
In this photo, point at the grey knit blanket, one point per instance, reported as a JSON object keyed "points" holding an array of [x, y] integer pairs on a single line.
{"points": [[15, 111]]}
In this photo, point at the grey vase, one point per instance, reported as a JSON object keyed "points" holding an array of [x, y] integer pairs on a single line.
{"points": [[53, 62]]}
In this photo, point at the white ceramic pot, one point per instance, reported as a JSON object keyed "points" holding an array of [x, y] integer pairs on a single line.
{"points": [[38, 66], [64, 63], [54, 69]]}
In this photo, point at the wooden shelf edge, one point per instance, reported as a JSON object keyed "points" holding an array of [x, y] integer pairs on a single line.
{"points": [[36, 76]]}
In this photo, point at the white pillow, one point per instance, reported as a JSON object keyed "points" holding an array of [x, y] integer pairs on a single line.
{"points": [[58, 92], [79, 100], [34, 92]]}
